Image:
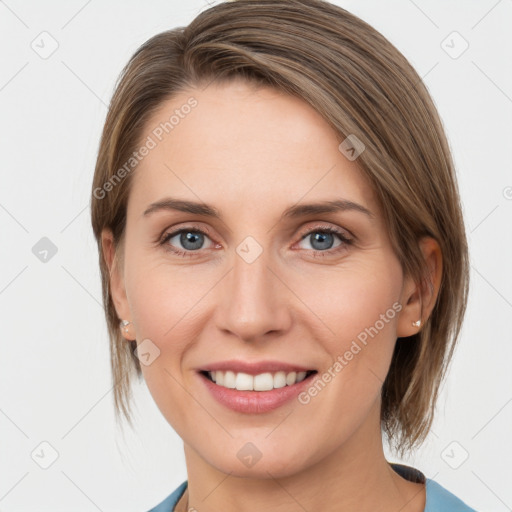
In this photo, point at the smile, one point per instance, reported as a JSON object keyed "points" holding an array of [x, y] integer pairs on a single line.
{"points": [[255, 387], [261, 382]]}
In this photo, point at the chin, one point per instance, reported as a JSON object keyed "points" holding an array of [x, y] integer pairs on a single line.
{"points": [[258, 459], [263, 469]]}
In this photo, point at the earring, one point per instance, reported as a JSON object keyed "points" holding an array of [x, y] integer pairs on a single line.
{"points": [[417, 323], [123, 324]]}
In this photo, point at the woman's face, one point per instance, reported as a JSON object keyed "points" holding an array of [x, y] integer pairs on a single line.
{"points": [[261, 288]]}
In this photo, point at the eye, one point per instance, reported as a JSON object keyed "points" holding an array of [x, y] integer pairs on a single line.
{"points": [[191, 239], [322, 240]]}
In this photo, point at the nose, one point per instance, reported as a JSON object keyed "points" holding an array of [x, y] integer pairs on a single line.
{"points": [[254, 302]]}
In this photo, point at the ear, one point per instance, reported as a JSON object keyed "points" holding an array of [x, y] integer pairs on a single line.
{"points": [[418, 299], [116, 282]]}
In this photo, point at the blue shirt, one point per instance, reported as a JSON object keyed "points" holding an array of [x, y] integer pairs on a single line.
{"points": [[438, 498]]}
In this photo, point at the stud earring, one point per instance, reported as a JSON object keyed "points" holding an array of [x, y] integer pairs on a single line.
{"points": [[417, 323], [123, 324]]}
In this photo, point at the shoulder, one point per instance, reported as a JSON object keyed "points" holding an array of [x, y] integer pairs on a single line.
{"points": [[170, 502], [440, 499]]}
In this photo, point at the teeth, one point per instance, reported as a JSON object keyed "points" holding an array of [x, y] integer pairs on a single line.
{"points": [[229, 380], [244, 382], [280, 380], [261, 382], [291, 378]]}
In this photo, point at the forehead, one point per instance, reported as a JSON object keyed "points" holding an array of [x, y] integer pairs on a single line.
{"points": [[234, 144]]}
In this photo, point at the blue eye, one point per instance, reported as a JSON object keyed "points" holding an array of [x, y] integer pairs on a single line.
{"points": [[321, 240], [192, 239]]}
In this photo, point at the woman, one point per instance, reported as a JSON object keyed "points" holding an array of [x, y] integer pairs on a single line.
{"points": [[283, 256]]}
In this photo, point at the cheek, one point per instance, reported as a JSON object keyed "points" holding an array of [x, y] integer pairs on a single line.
{"points": [[163, 298], [162, 306], [165, 302], [361, 310], [356, 304]]}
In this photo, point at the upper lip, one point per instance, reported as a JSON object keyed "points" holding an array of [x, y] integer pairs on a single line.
{"points": [[254, 367]]}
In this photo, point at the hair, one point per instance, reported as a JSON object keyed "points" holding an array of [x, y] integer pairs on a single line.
{"points": [[361, 85]]}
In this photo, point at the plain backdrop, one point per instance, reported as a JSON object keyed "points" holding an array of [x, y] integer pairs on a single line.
{"points": [[59, 64]]}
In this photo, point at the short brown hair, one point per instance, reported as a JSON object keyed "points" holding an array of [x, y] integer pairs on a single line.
{"points": [[362, 85]]}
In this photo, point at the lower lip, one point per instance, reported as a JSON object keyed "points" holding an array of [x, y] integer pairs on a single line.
{"points": [[255, 402]]}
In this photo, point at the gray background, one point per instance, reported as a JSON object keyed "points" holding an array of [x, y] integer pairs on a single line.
{"points": [[54, 367]]}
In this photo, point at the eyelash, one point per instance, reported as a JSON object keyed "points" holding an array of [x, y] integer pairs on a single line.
{"points": [[316, 253]]}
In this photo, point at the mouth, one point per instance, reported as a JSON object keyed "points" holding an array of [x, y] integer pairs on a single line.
{"points": [[265, 381], [255, 387]]}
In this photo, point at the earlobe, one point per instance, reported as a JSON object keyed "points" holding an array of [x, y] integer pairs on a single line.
{"points": [[419, 298]]}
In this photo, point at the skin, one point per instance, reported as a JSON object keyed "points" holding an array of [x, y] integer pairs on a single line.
{"points": [[287, 305]]}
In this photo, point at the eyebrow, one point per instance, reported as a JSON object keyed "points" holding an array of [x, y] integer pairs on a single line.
{"points": [[297, 210]]}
